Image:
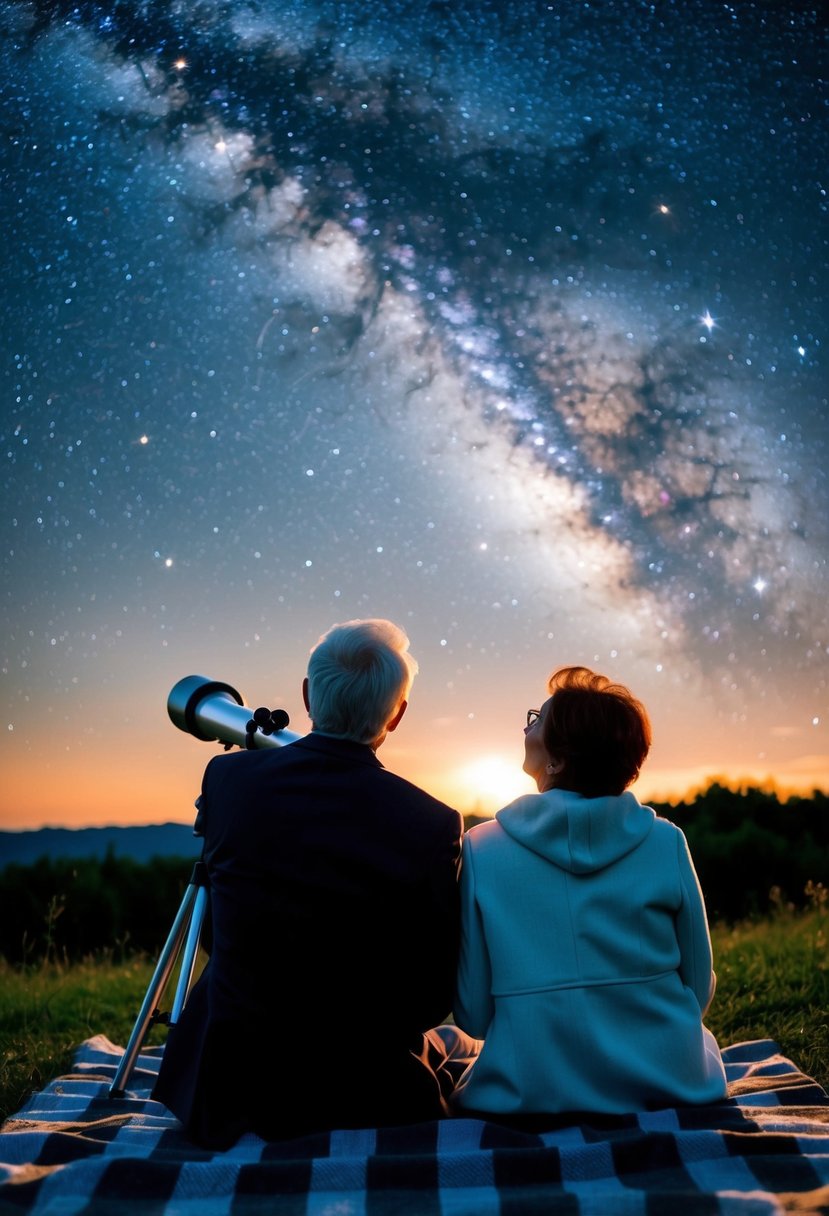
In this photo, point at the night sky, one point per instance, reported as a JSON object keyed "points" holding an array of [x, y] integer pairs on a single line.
{"points": [[506, 321]]}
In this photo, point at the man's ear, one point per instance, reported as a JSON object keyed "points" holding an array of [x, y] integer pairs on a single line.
{"points": [[395, 721], [305, 694]]}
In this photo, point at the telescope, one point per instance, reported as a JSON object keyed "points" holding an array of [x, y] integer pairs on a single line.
{"points": [[212, 711]]}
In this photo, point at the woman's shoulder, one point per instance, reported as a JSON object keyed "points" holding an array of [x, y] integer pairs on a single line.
{"points": [[669, 836], [490, 833], [483, 835], [480, 833]]}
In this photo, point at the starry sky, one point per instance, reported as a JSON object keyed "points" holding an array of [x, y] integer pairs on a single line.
{"points": [[504, 320]]}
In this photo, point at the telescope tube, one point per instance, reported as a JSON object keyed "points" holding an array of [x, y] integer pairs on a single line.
{"points": [[212, 710]]}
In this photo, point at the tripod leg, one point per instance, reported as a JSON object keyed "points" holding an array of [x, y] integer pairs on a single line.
{"points": [[188, 959], [158, 983]]}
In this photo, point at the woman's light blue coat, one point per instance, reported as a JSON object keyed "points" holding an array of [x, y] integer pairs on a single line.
{"points": [[585, 961]]}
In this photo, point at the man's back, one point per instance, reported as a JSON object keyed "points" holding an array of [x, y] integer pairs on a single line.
{"points": [[335, 921]]}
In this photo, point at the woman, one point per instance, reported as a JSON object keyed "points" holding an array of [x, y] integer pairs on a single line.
{"points": [[585, 955]]}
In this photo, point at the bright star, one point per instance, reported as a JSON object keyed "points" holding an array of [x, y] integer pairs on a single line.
{"points": [[759, 585], [707, 320]]}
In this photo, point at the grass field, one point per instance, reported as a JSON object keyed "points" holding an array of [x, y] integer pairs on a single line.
{"points": [[772, 982]]}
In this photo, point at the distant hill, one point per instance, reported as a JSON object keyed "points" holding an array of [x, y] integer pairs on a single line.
{"points": [[141, 844]]}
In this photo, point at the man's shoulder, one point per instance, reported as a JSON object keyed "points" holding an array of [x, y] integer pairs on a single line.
{"points": [[402, 794], [235, 763], [408, 791], [312, 761]]}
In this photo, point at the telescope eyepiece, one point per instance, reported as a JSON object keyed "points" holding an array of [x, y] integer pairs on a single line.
{"points": [[269, 722]]}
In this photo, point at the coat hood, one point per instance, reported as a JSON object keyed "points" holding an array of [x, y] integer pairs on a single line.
{"points": [[578, 834]]}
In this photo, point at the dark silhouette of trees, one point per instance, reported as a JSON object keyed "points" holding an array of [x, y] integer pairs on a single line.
{"points": [[751, 849], [61, 908]]}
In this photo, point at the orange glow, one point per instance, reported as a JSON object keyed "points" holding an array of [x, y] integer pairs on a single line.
{"points": [[126, 764], [486, 784], [798, 777], [77, 789], [157, 779]]}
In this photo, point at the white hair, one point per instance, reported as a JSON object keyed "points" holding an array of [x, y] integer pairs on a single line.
{"points": [[359, 673]]}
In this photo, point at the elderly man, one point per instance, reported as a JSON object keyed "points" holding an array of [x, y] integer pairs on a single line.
{"points": [[334, 908]]}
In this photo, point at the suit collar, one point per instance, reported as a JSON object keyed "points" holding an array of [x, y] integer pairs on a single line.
{"points": [[344, 749]]}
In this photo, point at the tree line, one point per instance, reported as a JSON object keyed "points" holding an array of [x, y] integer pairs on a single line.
{"points": [[752, 852], [65, 908]]}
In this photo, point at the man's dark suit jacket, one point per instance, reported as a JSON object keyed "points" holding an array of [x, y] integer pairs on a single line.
{"points": [[334, 908]]}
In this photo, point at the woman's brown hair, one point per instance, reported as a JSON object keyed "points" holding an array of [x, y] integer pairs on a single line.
{"points": [[597, 730]]}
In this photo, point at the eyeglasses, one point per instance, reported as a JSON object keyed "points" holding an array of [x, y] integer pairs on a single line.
{"points": [[532, 716]]}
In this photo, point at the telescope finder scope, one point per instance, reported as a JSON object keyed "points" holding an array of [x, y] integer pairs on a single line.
{"points": [[212, 710]]}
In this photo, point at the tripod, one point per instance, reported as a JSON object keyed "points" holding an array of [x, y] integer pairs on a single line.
{"points": [[184, 936], [206, 709]]}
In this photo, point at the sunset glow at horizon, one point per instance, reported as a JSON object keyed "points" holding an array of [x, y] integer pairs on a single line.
{"points": [[78, 783]]}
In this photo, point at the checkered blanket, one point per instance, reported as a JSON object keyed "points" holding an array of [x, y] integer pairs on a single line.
{"points": [[765, 1150]]}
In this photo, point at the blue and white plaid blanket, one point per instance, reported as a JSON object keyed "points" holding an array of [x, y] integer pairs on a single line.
{"points": [[763, 1151]]}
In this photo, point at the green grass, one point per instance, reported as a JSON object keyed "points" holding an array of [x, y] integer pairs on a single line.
{"points": [[48, 1009], [772, 982]]}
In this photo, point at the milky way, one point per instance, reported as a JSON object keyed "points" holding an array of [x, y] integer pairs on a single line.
{"points": [[505, 320]]}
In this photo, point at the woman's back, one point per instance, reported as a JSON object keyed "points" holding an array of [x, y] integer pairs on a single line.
{"points": [[586, 961]]}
